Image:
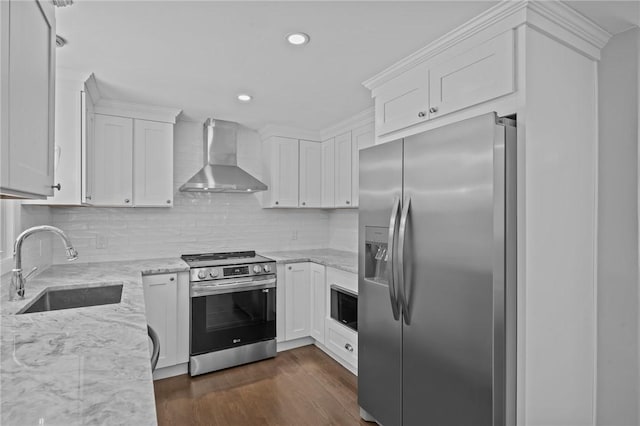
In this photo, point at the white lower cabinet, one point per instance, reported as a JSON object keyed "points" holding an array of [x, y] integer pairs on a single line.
{"points": [[297, 300], [342, 341], [303, 310], [317, 278], [166, 298]]}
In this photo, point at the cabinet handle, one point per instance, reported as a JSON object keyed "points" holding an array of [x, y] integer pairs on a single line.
{"points": [[168, 201], [290, 267], [348, 347], [277, 203], [348, 202], [422, 114], [433, 110], [88, 197], [58, 186], [304, 204], [126, 200], [172, 279]]}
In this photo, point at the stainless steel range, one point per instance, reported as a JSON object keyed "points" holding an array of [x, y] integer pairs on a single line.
{"points": [[233, 309]]}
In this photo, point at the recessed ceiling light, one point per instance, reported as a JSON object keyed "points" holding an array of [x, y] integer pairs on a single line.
{"points": [[243, 97], [298, 39]]}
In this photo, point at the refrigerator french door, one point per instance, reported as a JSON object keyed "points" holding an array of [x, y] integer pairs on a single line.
{"points": [[436, 301]]}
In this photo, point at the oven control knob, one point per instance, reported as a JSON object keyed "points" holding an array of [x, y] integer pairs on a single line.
{"points": [[202, 274], [213, 273], [267, 268], [257, 269]]}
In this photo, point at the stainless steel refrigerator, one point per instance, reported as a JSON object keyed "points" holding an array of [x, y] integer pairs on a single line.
{"points": [[437, 275]]}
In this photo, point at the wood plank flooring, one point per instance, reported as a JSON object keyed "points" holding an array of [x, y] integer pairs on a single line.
{"points": [[302, 386]]}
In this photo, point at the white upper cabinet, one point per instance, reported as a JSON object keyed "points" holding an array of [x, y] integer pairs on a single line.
{"points": [[328, 173], [310, 174], [152, 163], [131, 163], [74, 124], [305, 173], [450, 81], [343, 170], [477, 75], [402, 101], [112, 162], [27, 93], [362, 137], [281, 166]]}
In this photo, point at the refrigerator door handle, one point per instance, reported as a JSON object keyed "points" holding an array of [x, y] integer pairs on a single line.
{"points": [[393, 225], [402, 293]]}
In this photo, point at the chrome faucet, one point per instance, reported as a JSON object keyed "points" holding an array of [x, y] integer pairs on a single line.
{"points": [[17, 280]]}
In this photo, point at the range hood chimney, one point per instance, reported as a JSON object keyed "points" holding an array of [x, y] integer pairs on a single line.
{"points": [[221, 172]]}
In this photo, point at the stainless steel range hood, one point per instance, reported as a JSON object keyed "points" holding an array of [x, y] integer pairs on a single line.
{"points": [[221, 172]]}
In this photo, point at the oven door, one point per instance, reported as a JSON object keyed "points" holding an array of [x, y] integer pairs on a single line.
{"points": [[225, 317]]}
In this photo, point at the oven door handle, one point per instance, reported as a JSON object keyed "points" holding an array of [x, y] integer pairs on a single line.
{"points": [[200, 289]]}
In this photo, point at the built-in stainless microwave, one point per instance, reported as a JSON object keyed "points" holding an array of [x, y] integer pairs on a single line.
{"points": [[344, 307]]}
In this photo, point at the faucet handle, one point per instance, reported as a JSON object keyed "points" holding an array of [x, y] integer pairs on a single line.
{"points": [[72, 254], [26, 277]]}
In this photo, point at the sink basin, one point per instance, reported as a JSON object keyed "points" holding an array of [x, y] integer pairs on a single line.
{"points": [[77, 297]]}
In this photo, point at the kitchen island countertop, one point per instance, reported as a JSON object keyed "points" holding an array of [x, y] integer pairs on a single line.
{"points": [[339, 259], [80, 366]]}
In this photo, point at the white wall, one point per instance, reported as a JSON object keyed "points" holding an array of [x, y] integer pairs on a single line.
{"points": [[617, 388], [198, 222]]}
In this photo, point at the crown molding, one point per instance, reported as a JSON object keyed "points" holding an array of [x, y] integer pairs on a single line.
{"points": [[140, 111], [288, 132], [553, 17], [92, 88], [358, 120]]}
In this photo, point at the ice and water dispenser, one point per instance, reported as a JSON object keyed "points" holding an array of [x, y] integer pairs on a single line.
{"points": [[376, 255]]}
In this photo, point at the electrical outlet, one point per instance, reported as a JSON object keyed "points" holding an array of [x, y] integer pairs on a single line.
{"points": [[101, 241], [294, 235]]}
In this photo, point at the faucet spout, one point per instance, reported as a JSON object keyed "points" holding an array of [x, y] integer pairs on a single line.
{"points": [[17, 279]]}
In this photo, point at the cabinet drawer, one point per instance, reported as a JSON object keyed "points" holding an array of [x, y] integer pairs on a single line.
{"points": [[477, 75], [342, 341], [403, 101]]}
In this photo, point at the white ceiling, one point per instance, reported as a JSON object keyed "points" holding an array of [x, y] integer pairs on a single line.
{"points": [[198, 56]]}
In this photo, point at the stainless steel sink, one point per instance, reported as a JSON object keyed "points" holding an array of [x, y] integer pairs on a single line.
{"points": [[76, 297]]}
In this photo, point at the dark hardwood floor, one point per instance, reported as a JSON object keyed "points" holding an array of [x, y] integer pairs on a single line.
{"points": [[302, 386]]}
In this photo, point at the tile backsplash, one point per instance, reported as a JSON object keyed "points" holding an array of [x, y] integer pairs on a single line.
{"points": [[343, 229], [198, 222]]}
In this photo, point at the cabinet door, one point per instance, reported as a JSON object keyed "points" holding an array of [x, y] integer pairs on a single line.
{"points": [[478, 75], [318, 297], [87, 144], [152, 164], [112, 161], [284, 172], [343, 170], [297, 300], [362, 137], [27, 34], [310, 174], [328, 173], [402, 101], [160, 295]]}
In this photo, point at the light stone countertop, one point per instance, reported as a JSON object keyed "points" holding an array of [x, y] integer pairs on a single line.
{"points": [[79, 366], [339, 259]]}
